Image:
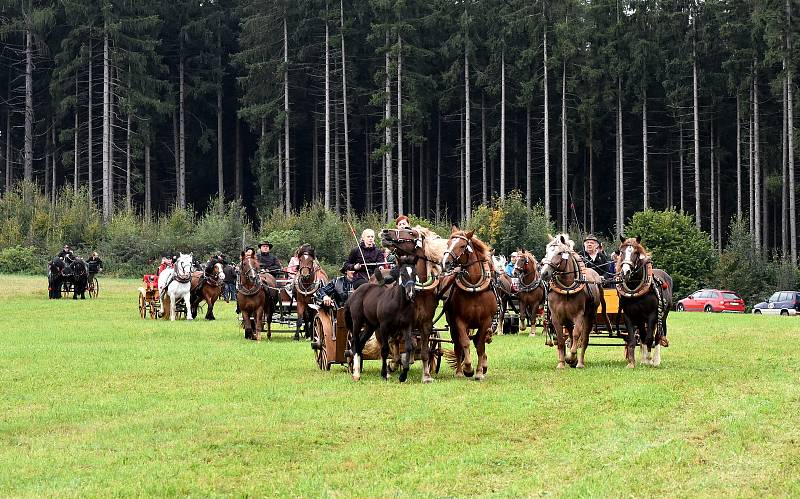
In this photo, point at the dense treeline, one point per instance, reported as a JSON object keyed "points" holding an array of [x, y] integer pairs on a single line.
{"points": [[594, 109]]}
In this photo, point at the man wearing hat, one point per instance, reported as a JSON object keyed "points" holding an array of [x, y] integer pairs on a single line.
{"points": [[338, 290], [66, 254], [594, 257], [266, 260]]}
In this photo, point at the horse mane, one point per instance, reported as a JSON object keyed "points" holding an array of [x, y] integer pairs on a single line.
{"points": [[529, 256], [478, 245], [631, 241], [434, 246]]}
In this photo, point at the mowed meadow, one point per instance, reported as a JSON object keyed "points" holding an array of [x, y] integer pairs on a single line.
{"points": [[95, 401]]}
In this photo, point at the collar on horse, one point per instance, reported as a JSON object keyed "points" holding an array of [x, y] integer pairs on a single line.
{"points": [[578, 284], [644, 286], [463, 282], [306, 289]]}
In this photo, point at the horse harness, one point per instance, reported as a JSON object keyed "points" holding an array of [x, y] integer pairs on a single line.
{"points": [[650, 281], [433, 278], [303, 288]]}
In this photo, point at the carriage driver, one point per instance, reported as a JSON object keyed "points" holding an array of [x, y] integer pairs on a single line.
{"points": [[338, 290], [366, 253], [594, 257], [266, 260], [66, 254]]}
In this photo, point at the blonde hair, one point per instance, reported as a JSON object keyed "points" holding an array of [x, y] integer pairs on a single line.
{"points": [[366, 232]]}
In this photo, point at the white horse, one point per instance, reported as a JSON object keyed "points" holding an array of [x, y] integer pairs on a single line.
{"points": [[177, 283]]}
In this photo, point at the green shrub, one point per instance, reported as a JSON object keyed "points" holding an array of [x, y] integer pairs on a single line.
{"points": [[285, 243], [677, 246], [22, 260]]}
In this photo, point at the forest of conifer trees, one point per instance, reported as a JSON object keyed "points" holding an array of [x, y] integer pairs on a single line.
{"points": [[593, 109]]}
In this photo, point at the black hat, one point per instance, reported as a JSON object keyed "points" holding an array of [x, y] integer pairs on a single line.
{"points": [[344, 268], [591, 237], [262, 243]]}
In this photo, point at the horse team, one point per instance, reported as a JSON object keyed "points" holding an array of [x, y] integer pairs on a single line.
{"points": [[457, 272]]}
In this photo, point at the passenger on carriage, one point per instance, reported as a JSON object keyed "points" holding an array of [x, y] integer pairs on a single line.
{"points": [[594, 257], [365, 258], [294, 262], [509, 270], [338, 290], [400, 223], [166, 261], [266, 260], [94, 264]]}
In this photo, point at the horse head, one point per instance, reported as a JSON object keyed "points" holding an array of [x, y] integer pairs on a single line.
{"points": [[250, 269], [307, 267], [526, 265], [632, 256], [215, 269], [459, 250], [404, 241], [408, 280], [499, 262], [183, 265], [78, 267], [558, 253]]}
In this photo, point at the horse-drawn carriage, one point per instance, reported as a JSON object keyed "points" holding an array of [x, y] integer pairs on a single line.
{"points": [[150, 300], [332, 342]]}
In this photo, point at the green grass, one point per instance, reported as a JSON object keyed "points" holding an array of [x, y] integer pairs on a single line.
{"points": [[95, 401]]}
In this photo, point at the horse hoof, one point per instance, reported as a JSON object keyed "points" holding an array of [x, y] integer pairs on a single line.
{"points": [[427, 379], [560, 365], [469, 373], [356, 377], [631, 365], [403, 377], [479, 377], [460, 374], [579, 366]]}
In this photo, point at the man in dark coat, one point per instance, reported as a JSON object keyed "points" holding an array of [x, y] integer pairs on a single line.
{"points": [[365, 258], [338, 290], [266, 260], [594, 257]]}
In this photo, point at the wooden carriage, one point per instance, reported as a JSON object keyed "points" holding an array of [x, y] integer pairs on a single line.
{"points": [[619, 331], [149, 301], [332, 342]]}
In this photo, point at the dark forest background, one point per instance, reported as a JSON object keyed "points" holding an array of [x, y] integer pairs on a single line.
{"points": [[622, 105]]}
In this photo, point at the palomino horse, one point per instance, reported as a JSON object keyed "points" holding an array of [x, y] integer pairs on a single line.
{"points": [[645, 297], [309, 278], [176, 283], [472, 304], [207, 286], [427, 248], [387, 311], [530, 291], [250, 298], [574, 294]]}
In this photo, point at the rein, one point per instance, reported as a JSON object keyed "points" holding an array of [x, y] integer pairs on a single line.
{"points": [[303, 288], [247, 291], [643, 287], [578, 284]]}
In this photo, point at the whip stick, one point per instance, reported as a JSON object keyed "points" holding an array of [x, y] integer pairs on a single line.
{"points": [[358, 245]]}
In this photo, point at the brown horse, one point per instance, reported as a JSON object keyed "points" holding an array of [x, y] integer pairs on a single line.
{"points": [[207, 286], [574, 294], [250, 298], [386, 311], [426, 248], [309, 278], [530, 291], [472, 304], [269, 285], [645, 297]]}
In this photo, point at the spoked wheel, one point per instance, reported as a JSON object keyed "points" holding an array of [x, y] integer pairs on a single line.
{"points": [[66, 288], [142, 306], [318, 345], [94, 288], [436, 353]]}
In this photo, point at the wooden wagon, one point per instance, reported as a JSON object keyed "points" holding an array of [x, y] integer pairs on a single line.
{"points": [[332, 342]]}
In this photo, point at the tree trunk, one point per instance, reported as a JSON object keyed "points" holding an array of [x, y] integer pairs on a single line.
{"points": [[546, 135], [349, 204], [315, 162], [790, 141], [467, 157], [46, 178], [681, 167], [750, 193], [75, 169], [461, 197], [591, 179], [738, 155], [148, 200], [336, 167], [485, 189], [220, 169], [90, 140], [177, 154], [388, 191], [28, 168], [237, 174], [645, 172], [400, 191], [620, 163], [713, 217], [784, 219], [503, 126], [718, 196], [564, 177], [696, 109], [128, 205], [53, 157], [528, 159], [287, 203], [9, 176], [756, 163], [107, 195], [182, 138], [439, 169], [368, 163], [327, 121]]}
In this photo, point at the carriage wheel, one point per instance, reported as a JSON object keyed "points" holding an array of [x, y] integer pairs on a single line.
{"points": [[318, 341], [142, 306], [154, 305], [436, 354], [94, 288], [66, 288]]}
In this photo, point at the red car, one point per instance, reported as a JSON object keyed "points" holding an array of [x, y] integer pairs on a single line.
{"points": [[712, 300]]}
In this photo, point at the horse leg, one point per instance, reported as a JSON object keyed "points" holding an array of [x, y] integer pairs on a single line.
{"points": [[187, 299], [248, 331], [259, 323], [172, 304], [408, 354], [463, 338], [580, 340], [425, 350], [555, 323], [480, 351], [358, 347], [385, 350], [630, 343], [211, 300]]}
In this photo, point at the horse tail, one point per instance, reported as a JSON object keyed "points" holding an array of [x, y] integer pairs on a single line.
{"points": [[452, 359]]}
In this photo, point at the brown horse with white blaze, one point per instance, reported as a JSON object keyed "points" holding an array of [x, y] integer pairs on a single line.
{"points": [[207, 286], [309, 278], [575, 292], [472, 305], [250, 298], [530, 291]]}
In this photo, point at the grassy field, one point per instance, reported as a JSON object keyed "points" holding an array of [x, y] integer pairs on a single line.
{"points": [[95, 401]]}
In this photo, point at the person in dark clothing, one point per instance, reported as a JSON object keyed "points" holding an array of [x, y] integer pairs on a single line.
{"points": [[338, 290], [229, 291], [266, 260], [66, 254], [365, 258], [594, 257]]}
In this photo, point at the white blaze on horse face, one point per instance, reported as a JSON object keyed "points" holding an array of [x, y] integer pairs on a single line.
{"points": [[628, 262], [449, 252]]}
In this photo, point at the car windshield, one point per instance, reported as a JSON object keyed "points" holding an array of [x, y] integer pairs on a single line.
{"points": [[731, 296], [774, 297]]}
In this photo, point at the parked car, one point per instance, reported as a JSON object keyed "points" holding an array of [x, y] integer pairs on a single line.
{"points": [[712, 300], [780, 303]]}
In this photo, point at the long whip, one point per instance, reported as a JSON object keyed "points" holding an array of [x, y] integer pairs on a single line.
{"points": [[358, 245]]}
